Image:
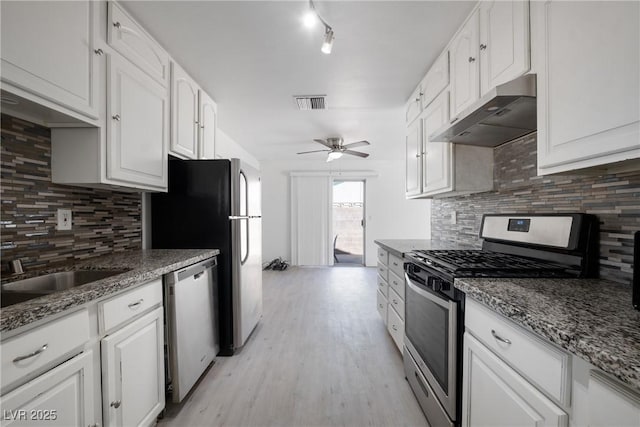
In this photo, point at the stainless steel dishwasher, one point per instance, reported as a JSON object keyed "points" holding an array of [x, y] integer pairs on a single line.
{"points": [[191, 307]]}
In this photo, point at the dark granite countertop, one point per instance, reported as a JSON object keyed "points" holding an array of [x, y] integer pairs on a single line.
{"points": [[591, 318], [400, 246], [142, 266]]}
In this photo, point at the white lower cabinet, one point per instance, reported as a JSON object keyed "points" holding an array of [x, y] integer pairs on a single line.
{"points": [[60, 397], [611, 404], [494, 394], [133, 372]]}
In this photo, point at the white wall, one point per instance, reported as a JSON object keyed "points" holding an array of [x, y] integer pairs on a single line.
{"points": [[227, 148], [389, 214]]}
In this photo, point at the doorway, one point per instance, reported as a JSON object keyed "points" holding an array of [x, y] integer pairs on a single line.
{"points": [[348, 213]]}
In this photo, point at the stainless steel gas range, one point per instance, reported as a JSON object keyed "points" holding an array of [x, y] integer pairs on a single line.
{"points": [[513, 246]]}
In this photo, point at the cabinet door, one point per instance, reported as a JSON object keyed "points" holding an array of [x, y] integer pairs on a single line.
{"points": [[588, 85], [132, 41], [436, 80], [437, 165], [464, 66], [493, 394], [133, 372], [611, 404], [504, 42], [48, 50], [208, 121], [414, 105], [137, 114], [414, 154], [61, 397], [184, 114]]}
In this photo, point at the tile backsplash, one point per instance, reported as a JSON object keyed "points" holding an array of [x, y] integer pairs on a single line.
{"points": [[613, 198], [104, 221]]}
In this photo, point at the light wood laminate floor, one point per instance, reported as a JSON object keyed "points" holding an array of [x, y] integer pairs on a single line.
{"points": [[320, 356]]}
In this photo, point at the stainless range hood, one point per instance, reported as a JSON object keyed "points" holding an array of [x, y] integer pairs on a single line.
{"points": [[505, 113]]}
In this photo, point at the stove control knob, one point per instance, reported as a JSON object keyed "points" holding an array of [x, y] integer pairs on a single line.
{"points": [[445, 286], [437, 284]]}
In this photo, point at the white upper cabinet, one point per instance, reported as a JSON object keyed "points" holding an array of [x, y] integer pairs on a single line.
{"points": [[436, 80], [49, 54], [184, 114], [208, 119], [436, 160], [137, 126], [128, 38], [588, 85], [504, 42], [414, 105], [413, 156], [464, 51]]}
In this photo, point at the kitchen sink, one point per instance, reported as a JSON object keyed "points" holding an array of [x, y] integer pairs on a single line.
{"points": [[34, 287]]}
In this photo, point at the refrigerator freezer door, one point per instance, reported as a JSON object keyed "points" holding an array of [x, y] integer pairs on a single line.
{"points": [[246, 231]]}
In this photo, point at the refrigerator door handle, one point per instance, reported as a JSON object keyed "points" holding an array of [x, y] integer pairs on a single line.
{"points": [[244, 216]]}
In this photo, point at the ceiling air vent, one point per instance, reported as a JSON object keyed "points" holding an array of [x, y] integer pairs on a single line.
{"points": [[311, 102]]}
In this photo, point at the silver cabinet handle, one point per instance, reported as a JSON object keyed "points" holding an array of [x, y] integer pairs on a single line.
{"points": [[483, 46], [30, 355], [116, 117], [394, 327], [198, 275], [499, 338], [117, 24], [472, 59], [380, 305], [418, 156], [395, 301], [99, 52], [115, 404], [135, 305]]}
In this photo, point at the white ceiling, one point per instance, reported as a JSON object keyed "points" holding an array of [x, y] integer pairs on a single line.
{"points": [[253, 56]]}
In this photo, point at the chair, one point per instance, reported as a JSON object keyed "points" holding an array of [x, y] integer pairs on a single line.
{"points": [[335, 258]]}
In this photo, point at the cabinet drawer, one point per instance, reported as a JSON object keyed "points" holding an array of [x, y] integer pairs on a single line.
{"points": [[396, 283], [125, 307], [382, 306], [382, 286], [44, 345], [382, 271], [396, 265], [395, 325], [543, 364], [133, 42], [396, 302], [383, 256]]}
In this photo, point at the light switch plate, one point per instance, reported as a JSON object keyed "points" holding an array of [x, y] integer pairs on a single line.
{"points": [[64, 219], [454, 217]]}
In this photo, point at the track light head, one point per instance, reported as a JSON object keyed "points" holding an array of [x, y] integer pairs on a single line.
{"points": [[328, 41]]}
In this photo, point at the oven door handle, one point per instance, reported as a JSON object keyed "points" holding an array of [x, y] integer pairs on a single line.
{"points": [[442, 302]]}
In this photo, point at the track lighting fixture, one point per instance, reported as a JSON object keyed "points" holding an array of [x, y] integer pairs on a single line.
{"points": [[309, 21]]}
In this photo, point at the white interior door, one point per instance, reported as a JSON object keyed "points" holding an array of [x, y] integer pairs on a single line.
{"points": [[310, 220]]}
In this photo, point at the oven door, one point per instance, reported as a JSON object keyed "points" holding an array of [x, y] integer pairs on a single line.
{"points": [[431, 337]]}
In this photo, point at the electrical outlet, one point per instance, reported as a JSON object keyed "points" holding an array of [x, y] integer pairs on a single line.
{"points": [[454, 217], [64, 219]]}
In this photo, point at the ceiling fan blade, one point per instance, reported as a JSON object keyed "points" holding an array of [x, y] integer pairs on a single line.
{"points": [[356, 153], [323, 142], [314, 151], [356, 144]]}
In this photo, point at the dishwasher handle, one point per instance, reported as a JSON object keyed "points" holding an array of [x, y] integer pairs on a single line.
{"points": [[196, 270]]}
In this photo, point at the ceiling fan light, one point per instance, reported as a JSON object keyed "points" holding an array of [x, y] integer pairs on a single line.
{"points": [[333, 155], [328, 41]]}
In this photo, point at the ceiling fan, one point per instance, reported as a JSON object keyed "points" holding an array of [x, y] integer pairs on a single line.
{"points": [[336, 148]]}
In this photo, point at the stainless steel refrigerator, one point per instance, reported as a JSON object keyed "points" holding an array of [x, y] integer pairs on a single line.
{"points": [[217, 204]]}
